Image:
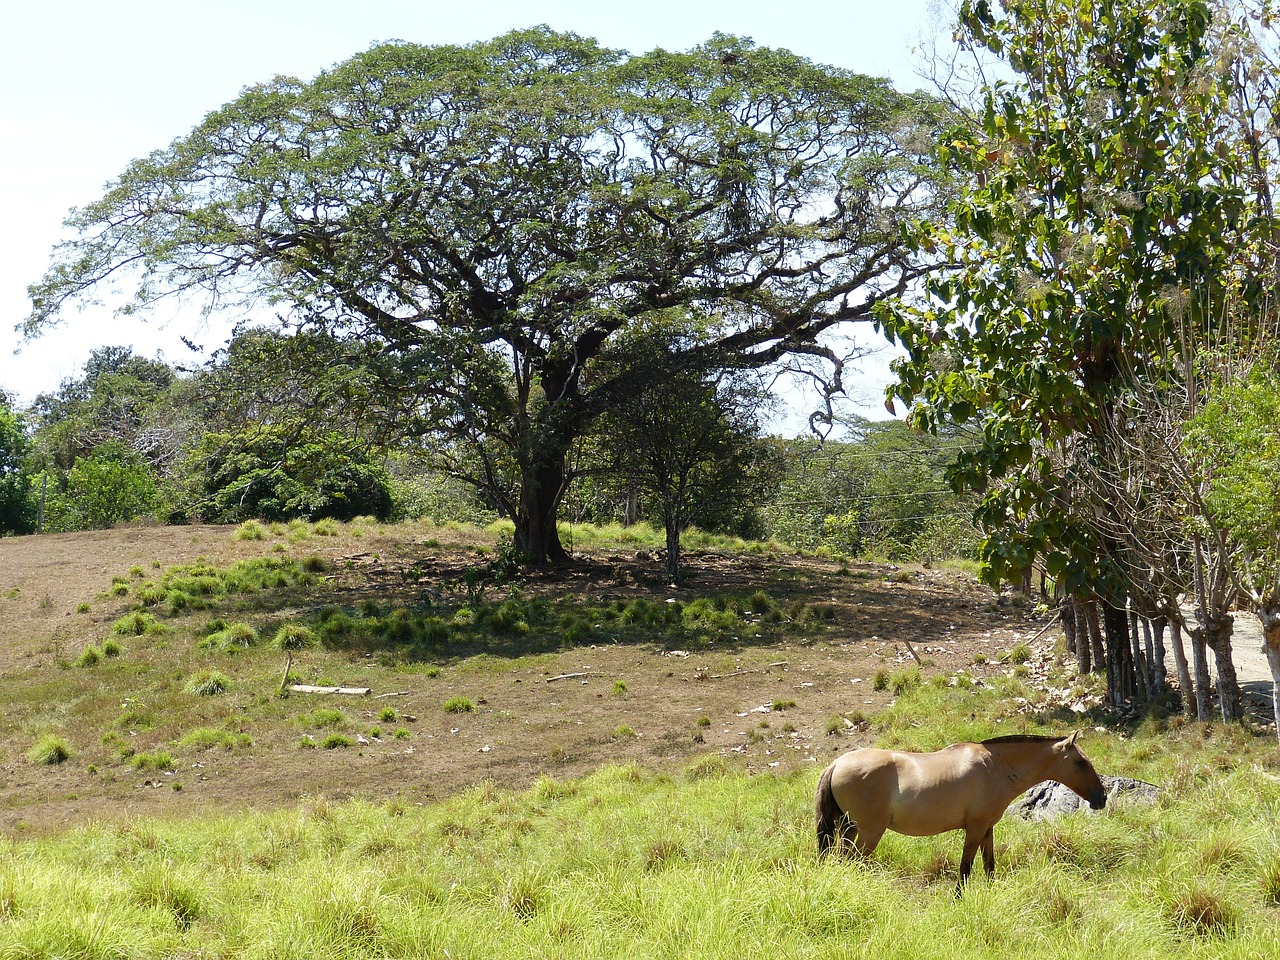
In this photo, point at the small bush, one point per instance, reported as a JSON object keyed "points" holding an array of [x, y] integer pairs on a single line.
{"points": [[619, 687], [1020, 653], [49, 750], [89, 657], [112, 648], [336, 740], [387, 714], [458, 705], [208, 683], [623, 732], [783, 705]]}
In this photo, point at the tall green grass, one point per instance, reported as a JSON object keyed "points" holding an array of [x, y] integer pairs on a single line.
{"points": [[628, 862]]}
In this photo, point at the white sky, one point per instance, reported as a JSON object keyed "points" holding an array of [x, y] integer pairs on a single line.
{"points": [[89, 85]]}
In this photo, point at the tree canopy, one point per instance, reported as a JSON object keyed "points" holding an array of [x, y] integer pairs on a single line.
{"points": [[492, 216]]}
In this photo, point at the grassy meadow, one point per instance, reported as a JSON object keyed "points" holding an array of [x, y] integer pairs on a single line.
{"points": [[705, 862], [689, 859]]}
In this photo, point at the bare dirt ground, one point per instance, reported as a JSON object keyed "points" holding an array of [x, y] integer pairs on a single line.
{"points": [[761, 701]]}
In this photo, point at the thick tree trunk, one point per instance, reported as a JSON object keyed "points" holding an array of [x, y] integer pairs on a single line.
{"points": [[1217, 636], [1269, 614], [536, 539], [1122, 681]]}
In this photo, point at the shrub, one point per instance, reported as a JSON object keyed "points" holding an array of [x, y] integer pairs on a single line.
{"points": [[49, 750], [112, 648], [335, 740], [458, 705], [89, 657]]}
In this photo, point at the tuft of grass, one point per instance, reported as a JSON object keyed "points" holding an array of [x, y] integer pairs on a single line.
{"points": [[209, 738], [623, 732], [90, 656], [208, 683], [1020, 652], [135, 624], [336, 740], [232, 638], [49, 751], [619, 687], [458, 705], [111, 648], [322, 717], [251, 530], [294, 636], [152, 760], [387, 714], [1200, 913], [783, 704]]}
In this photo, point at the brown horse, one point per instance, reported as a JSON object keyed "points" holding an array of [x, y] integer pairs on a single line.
{"points": [[965, 786]]}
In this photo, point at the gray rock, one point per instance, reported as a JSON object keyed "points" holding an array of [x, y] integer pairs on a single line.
{"points": [[1049, 799]]}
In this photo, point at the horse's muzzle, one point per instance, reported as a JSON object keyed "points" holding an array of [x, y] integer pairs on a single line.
{"points": [[1098, 801]]}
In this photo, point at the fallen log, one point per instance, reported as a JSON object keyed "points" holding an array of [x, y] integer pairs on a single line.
{"points": [[348, 691], [567, 676]]}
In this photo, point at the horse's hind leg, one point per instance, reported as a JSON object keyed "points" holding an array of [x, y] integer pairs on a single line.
{"points": [[868, 838], [989, 850]]}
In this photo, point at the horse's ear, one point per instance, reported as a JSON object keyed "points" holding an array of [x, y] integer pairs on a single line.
{"points": [[1071, 740]]}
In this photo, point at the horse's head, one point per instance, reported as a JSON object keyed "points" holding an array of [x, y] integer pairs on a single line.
{"points": [[1075, 771]]}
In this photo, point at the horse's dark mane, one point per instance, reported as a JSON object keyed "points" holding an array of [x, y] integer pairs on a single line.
{"points": [[1021, 738]]}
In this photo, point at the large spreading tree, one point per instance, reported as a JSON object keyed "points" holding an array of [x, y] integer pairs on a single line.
{"points": [[490, 218]]}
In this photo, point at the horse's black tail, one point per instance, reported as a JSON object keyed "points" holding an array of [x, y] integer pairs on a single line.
{"points": [[827, 812]]}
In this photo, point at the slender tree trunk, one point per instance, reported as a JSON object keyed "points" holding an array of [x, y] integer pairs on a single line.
{"points": [[1139, 665], [1180, 664], [1067, 614], [1097, 653], [1269, 614], [1156, 654], [1204, 711]]}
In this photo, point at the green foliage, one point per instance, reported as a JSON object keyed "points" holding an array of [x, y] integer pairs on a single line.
{"points": [[1075, 256], [458, 705], [881, 492], [287, 472], [18, 508], [109, 485], [1234, 441]]}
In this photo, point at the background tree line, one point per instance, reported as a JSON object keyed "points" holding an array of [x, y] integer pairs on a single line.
{"points": [[134, 438]]}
